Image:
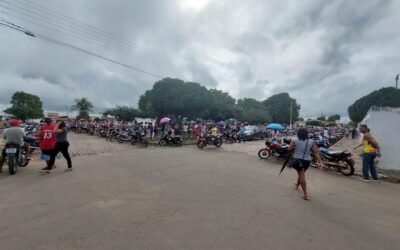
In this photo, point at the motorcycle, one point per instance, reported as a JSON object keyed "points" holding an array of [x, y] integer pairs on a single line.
{"points": [[139, 137], [112, 134], [230, 136], [124, 136], [276, 148], [168, 139], [16, 157], [341, 160], [205, 140]]}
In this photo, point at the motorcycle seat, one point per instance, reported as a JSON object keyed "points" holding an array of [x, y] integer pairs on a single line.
{"points": [[332, 153]]}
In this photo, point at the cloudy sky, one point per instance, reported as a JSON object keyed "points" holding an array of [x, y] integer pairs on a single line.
{"points": [[326, 54]]}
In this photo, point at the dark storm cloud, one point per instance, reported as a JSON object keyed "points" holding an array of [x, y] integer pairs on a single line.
{"points": [[324, 53]]}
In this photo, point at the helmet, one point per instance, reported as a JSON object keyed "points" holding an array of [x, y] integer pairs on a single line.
{"points": [[47, 120], [14, 123]]}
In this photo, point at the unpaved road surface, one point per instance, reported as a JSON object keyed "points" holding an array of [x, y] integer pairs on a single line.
{"points": [[128, 197]]}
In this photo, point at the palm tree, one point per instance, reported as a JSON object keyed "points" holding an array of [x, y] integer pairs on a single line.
{"points": [[84, 107]]}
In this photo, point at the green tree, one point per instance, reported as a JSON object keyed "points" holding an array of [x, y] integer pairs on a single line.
{"points": [[84, 107], [123, 113], [314, 122], [25, 106], [176, 97], [221, 105], [253, 111], [385, 97], [321, 118], [278, 107], [334, 118]]}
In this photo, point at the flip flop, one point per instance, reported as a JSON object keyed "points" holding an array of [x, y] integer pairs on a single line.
{"points": [[68, 170]]}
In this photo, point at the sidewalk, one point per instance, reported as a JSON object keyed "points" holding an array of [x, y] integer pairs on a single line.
{"points": [[349, 144]]}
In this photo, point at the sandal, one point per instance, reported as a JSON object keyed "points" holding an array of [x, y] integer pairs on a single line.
{"points": [[305, 197], [68, 170]]}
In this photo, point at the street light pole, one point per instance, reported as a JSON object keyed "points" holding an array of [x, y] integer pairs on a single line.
{"points": [[67, 108], [291, 103]]}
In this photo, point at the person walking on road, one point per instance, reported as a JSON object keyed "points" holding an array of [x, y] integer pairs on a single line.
{"points": [[303, 146], [62, 145], [370, 151]]}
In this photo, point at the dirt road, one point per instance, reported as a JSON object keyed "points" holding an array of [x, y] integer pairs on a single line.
{"points": [[127, 197]]}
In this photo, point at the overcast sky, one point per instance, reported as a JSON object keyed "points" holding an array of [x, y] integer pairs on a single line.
{"points": [[326, 54]]}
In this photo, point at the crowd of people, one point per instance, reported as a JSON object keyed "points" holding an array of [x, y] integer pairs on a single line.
{"points": [[52, 136]]}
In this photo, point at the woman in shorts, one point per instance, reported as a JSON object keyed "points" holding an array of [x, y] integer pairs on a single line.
{"points": [[303, 146]]}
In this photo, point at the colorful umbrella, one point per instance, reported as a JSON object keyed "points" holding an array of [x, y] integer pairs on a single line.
{"points": [[275, 126], [165, 120]]}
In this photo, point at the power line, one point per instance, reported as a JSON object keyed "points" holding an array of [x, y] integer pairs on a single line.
{"points": [[86, 27], [77, 34], [91, 41], [48, 39]]}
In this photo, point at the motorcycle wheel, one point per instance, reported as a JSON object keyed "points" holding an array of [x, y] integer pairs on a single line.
{"points": [[263, 153], [162, 142], [346, 167], [145, 143], [133, 142], [25, 164], [218, 142], [119, 139], [200, 144], [12, 164], [178, 143]]}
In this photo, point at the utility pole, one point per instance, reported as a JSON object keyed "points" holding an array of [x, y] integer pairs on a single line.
{"points": [[67, 108], [397, 80], [291, 103]]}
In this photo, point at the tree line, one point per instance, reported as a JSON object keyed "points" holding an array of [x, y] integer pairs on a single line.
{"points": [[188, 99]]}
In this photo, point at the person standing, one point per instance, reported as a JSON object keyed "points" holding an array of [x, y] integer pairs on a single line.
{"points": [[370, 151], [303, 146], [62, 146], [151, 130], [47, 137]]}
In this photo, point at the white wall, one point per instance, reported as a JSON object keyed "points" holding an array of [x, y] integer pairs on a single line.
{"points": [[385, 127]]}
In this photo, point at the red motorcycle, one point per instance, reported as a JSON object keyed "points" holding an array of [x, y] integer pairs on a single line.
{"points": [[275, 148]]}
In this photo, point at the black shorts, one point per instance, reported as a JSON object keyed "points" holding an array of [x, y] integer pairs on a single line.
{"points": [[304, 164], [48, 152]]}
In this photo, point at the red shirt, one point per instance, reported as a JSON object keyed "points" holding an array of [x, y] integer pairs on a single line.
{"points": [[47, 137]]}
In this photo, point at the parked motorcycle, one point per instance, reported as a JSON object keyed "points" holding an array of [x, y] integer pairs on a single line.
{"points": [[112, 135], [168, 139], [205, 140], [275, 148], [230, 136], [124, 136], [16, 157], [139, 137], [341, 160]]}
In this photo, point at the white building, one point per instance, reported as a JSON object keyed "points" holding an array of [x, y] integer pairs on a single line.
{"points": [[384, 123]]}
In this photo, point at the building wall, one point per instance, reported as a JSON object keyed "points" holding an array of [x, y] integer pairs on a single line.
{"points": [[385, 127]]}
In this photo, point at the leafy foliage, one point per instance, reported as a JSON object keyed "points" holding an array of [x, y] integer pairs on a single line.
{"points": [[123, 113], [321, 118], [334, 118], [176, 97], [314, 123], [25, 106], [252, 111], [385, 97], [278, 107], [83, 106]]}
